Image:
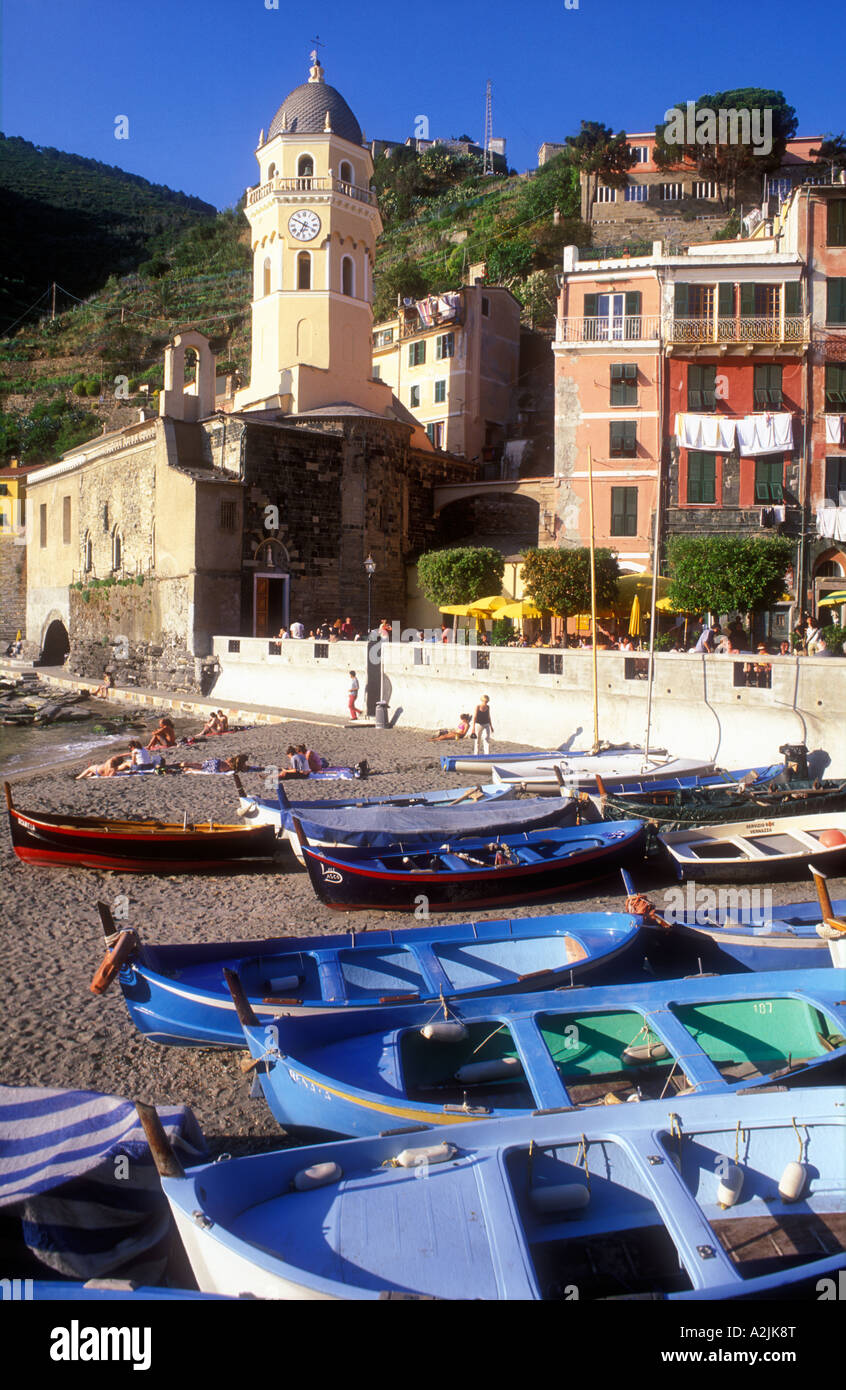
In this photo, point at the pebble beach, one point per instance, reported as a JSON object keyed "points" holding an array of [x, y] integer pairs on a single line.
{"points": [[55, 1032]]}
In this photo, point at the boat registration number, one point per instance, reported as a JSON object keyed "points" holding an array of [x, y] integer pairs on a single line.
{"points": [[759, 827]]}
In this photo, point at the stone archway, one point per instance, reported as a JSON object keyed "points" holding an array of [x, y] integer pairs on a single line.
{"points": [[55, 644]]}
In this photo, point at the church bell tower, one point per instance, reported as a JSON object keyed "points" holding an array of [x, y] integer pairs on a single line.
{"points": [[314, 224]]}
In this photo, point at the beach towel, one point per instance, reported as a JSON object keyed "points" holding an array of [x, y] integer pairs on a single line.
{"points": [[78, 1181]]}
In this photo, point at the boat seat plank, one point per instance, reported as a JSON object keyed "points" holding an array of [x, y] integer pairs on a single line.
{"points": [[437, 980], [330, 975]]}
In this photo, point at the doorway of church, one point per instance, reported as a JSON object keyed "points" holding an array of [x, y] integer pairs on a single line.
{"points": [[270, 603]]}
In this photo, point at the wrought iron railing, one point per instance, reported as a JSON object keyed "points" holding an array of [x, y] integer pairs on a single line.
{"points": [[622, 328]]}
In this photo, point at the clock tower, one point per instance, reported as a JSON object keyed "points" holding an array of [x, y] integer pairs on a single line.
{"points": [[314, 224]]}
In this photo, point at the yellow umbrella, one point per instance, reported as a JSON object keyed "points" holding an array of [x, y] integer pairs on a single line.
{"points": [[521, 609], [838, 597], [479, 608], [634, 618], [630, 586]]}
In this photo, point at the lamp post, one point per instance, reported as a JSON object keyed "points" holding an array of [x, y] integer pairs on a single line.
{"points": [[370, 570]]}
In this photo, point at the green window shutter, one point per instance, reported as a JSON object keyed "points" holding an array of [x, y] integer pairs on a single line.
{"points": [[836, 300], [793, 297], [725, 299], [747, 301], [591, 306], [681, 301], [836, 233], [624, 511], [633, 302], [701, 478]]}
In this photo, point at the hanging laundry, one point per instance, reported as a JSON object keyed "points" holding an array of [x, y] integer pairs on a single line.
{"points": [[834, 429], [764, 434], [707, 432]]}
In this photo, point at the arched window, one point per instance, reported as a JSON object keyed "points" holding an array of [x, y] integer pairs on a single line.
{"points": [[117, 550], [305, 168], [347, 276], [304, 270], [271, 173], [266, 277], [346, 172]]}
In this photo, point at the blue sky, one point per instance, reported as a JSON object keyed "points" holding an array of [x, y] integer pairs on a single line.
{"points": [[197, 79]]}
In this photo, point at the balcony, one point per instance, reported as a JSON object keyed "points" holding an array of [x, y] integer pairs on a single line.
{"points": [[310, 185], [739, 330], [636, 328]]}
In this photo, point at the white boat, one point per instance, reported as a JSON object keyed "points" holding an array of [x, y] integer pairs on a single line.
{"points": [[746, 851], [540, 775]]}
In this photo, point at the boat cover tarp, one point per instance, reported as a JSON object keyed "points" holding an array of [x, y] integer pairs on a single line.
{"points": [[78, 1185], [377, 827]]}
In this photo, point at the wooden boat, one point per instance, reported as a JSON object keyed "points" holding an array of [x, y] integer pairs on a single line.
{"points": [[177, 994], [279, 810], [708, 803], [536, 772], [758, 850], [705, 1197], [367, 830], [743, 933], [133, 846], [474, 872], [359, 1073]]}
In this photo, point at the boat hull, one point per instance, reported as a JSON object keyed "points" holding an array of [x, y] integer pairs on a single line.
{"points": [[90, 842], [347, 885], [757, 851], [176, 995]]}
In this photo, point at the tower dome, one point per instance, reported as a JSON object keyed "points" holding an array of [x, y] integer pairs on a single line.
{"points": [[304, 111]]}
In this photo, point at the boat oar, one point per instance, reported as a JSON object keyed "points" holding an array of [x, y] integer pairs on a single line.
{"points": [[165, 1159], [473, 791], [637, 903], [8, 790], [244, 1010], [121, 947], [829, 919]]}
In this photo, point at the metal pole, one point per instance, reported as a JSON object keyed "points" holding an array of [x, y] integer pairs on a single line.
{"points": [[593, 606]]}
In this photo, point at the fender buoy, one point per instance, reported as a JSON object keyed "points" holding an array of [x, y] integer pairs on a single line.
{"points": [[499, 1069], [444, 1032], [731, 1185], [792, 1182], [113, 961], [318, 1175], [570, 1196], [280, 983], [416, 1158], [831, 838], [645, 1052]]}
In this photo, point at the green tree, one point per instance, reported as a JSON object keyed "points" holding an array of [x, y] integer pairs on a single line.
{"points": [[718, 154], [832, 151], [718, 574], [406, 280], [560, 579], [460, 575], [600, 154]]}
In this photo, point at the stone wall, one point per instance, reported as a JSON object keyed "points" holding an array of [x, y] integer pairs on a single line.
{"points": [[122, 628], [12, 589]]}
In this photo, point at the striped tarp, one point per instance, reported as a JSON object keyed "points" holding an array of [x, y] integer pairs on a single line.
{"points": [[77, 1175]]}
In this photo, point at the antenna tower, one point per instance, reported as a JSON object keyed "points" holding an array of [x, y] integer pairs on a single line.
{"points": [[487, 164]]}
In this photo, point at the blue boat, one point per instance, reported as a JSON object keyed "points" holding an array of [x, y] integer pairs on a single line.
{"points": [[279, 810], [704, 1197], [105, 1290], [473, 873], [748, 936], [361, 1073], [177, 994]]}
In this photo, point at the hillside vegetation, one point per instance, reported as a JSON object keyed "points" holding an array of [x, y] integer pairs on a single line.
{"points": [[60, 380]]}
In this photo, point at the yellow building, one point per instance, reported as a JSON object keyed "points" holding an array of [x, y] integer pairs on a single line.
{"points": [[12, 550], [314, 223], [453, 361]]}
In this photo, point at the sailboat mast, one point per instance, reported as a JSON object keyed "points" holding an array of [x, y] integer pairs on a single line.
{"points": [[593, 605]]}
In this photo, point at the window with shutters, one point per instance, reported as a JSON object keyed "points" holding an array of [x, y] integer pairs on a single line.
{"points": [[435, 431], [701, 478], [836, 230], [624, 511], [414, 397], [835, 311], [66, 520], [835, 387], [769, 479], [604, 194], [416, 354], [440, 391], [613, 317], [637, 193], [705, 188], [641, 153], [624, 383], [671, 192], [42, 525], [701, 388], [767, 389], [835, 481], [623, 439], [444, 346]]}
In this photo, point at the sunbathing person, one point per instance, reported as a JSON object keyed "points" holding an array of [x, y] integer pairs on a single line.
{"points": [[445, 735], [212, 724], [102, 691], [119, 762], [164, 736], [297, 764], [237, 763]]}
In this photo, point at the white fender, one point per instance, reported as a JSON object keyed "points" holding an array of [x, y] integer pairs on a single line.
{"points": [[565, 1196], [792, 1182], [281, 983], [731, 1185], [318, 1175], [646, 1052], [444, 1032], [497, 1070], [435, 1153]]}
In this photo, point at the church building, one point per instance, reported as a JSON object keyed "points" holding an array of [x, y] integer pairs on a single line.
{"points": [[147, 542]]}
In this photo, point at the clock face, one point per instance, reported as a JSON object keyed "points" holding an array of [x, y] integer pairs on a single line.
{"points": [[304, 225]]}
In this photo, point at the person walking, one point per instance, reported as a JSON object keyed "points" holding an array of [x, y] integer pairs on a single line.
{"points": [[353, 696], [482, 728]]}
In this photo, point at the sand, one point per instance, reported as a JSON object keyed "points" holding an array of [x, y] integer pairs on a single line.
{"points": [[57, 1033]]}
